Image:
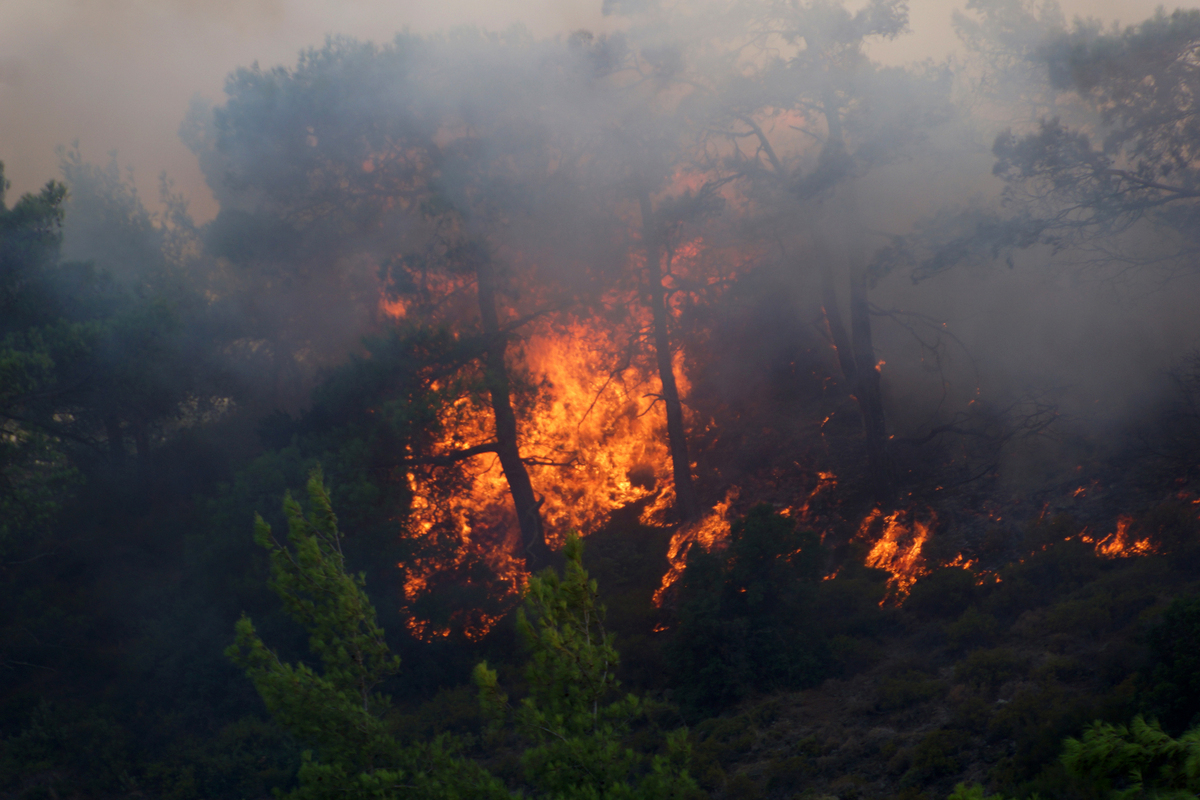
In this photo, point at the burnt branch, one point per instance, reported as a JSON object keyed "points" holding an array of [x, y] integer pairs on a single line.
{"points": [[447, 459]]}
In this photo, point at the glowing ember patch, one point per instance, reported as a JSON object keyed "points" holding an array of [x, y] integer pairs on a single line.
{"points": [[396, 309]]}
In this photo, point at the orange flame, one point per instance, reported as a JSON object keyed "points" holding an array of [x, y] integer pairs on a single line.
{"points": [[592, 445], [593, 437], [897, 548], [1120, 544], [710, 532]]}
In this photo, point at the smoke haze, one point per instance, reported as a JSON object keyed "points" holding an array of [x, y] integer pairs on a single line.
{"points": [[118, 76]]}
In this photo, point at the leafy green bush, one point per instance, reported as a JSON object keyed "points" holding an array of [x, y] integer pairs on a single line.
{"points": [[906, 690], [1046, 574], [986, 670], [942, 594], [973, 628], [574, 723], [1136, 761], [337, 710], [937, 754]]}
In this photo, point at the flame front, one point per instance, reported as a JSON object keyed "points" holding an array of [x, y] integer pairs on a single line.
{"points": [[591, 444], [710, 532], [1120, 544], [897, 548]]}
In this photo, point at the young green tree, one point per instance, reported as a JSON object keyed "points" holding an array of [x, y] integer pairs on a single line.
{"points": [[574, 717], [337, 710], [1138, 762], [38, 351]]}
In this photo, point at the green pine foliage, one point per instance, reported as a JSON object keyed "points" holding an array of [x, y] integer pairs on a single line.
{"points": [[574, 719], [1118, 762], [336, 708], [1135, 762]]}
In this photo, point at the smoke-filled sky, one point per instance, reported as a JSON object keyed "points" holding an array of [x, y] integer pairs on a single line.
{"points": [[119, 74]]}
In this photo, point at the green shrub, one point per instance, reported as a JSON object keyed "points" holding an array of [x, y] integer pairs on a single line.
{"points": [[972, 629], [745, 616], [942, 594], [789, 774], [742, 787], [723, 739], [906, 690], [1045, 575], [1173, 672], [1036, 720], [987, 670], [972, 714], [1064, 669], [936, 755]]}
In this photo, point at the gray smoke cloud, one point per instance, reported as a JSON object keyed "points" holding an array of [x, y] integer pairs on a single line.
{"points": [[122, 76], [119, 74]]}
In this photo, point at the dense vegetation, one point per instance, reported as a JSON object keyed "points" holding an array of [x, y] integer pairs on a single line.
{"points": [[395, 222]]}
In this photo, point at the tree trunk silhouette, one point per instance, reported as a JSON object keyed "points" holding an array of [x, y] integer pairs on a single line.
{"points": [[856, 359], [867, 389], [687, 504], [528, 507], [856, 352]]}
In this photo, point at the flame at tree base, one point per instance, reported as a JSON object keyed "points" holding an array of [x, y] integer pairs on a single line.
{"points": [[710, 533]]}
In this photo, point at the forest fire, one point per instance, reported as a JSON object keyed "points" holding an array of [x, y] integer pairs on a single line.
{"points": [[592, 445], [877, 344], [1119, 543], [709, 533], [897, 547]]}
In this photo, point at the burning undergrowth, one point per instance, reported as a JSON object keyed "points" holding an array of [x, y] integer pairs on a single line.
{"points": [[777, 428]]}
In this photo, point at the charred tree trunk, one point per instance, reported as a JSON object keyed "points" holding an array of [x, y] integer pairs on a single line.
{"points": [[833, 320], [687, 504], [856, 352], [856, 359], [867, 390], [528, 507]]}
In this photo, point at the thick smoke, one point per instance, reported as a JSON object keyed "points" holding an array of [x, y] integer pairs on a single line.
{"points": [[802, 153]]}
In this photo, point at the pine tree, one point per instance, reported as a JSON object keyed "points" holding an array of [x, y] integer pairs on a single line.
{"points": [[574, 718], [337, 710]]}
